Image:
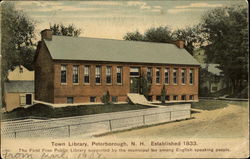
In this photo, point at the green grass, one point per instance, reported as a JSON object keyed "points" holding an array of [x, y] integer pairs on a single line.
{"points": [[216, 104], [41, 110]]}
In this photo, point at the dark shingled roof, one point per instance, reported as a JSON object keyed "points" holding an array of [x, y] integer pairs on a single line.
{"points": [[19, 86], [93, 49]]}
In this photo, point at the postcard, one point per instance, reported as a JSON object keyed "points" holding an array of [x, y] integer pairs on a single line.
{"points": [[124, 79]]}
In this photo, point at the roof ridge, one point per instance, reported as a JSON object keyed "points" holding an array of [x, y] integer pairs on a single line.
{"points": [[161, 43]]}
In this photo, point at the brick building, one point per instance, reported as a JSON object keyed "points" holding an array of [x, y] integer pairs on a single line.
{"points": [[80, 70]]}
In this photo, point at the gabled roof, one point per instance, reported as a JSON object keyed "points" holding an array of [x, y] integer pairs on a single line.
{"points": [[212, 68], [93, 49], [19, 86]]}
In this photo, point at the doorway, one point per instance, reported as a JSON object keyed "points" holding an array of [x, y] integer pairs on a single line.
{"points": [[134, 79], [28, 99]]}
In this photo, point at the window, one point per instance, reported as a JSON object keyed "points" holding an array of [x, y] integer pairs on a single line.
{"points": [[175, 97], [28, 99], [214, 88], [75, 73], [158, 98], [70, 100], [158, 75], [166, 73], [191, 97], [119, 75], [108, 74], [86, 74], [20, 70], [183, 76], [167, 98], [175, 76], [98, 74], [114, 99], [134, 72], [92, 99], [183, 97], [22, 99], [149, 74], [191, 76], [63, 73], [150, 98]]}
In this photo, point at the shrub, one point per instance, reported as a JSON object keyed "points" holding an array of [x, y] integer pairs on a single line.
{"points": [[106, 98], [163, 94]]}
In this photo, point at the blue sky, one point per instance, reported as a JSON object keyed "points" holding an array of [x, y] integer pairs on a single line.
{"points": [[112, 19]]}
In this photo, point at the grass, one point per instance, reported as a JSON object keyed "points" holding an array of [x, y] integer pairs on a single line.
{"points": [[216, 104], [41, 110]]}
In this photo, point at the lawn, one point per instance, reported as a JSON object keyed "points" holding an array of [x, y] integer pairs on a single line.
{"points": [[216, 104], [41, 110]]}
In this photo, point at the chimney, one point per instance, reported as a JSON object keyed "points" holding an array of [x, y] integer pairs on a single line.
{"points": [[46, 34], [180, 43]]}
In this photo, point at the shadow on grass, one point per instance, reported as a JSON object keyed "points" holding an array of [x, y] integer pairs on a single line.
{"points": [[41, 110], [211, 104]]}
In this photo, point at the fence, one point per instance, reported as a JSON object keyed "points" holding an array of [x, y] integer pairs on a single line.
{"points": [[96, 124]]}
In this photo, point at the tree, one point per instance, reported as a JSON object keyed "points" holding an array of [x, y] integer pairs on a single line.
{"points": [[106, 98], [145, 86], [60, 29], [191, 35], [226, 38], [134, 36], [17, 40], [159, 34], [163, 94]]}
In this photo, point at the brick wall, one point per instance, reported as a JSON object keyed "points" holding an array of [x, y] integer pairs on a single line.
{"points": [[44, 79], [82, 92]]}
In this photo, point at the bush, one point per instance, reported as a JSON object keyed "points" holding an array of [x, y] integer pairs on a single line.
{"points": [[106, 98], [163, 94]]}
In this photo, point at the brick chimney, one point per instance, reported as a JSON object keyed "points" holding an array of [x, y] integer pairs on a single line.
{"points": [[180, 43], [46, 34]]}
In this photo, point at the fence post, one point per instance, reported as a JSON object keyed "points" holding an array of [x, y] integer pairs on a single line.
{"points": [[143, 119], [15, 134], [69, 130], [170, 115], [110, 127]]}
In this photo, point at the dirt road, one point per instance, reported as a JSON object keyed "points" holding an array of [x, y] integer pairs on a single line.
{"points": [[230, 121]]}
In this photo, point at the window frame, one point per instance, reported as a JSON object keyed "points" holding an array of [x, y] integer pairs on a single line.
{"points": [[86, 75], [121, 75], [167, 70], [92, 97], [75, 75], [98, 74], [158, 76], [191, 76], [65, 66], [150, 77], [108, 75], [183, 77], [175, 76]]}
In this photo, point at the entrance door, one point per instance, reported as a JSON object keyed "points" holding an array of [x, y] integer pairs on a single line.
{"points": [[28, 99], [134, 85]]}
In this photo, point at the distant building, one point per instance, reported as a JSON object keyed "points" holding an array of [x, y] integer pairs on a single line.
{"points": [[214, 80], [19, 89], [81, 70]]}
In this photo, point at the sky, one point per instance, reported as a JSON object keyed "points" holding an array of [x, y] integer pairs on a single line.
{"points": [[113, 19]]}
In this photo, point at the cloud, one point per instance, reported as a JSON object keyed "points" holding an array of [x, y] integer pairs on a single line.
{"points": [[157, 7], [102, 3], [176, 11], [199, 5], [141, 5], [192, 7]]}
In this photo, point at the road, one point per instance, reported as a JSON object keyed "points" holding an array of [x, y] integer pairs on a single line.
{"points": [[227, 122]]}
